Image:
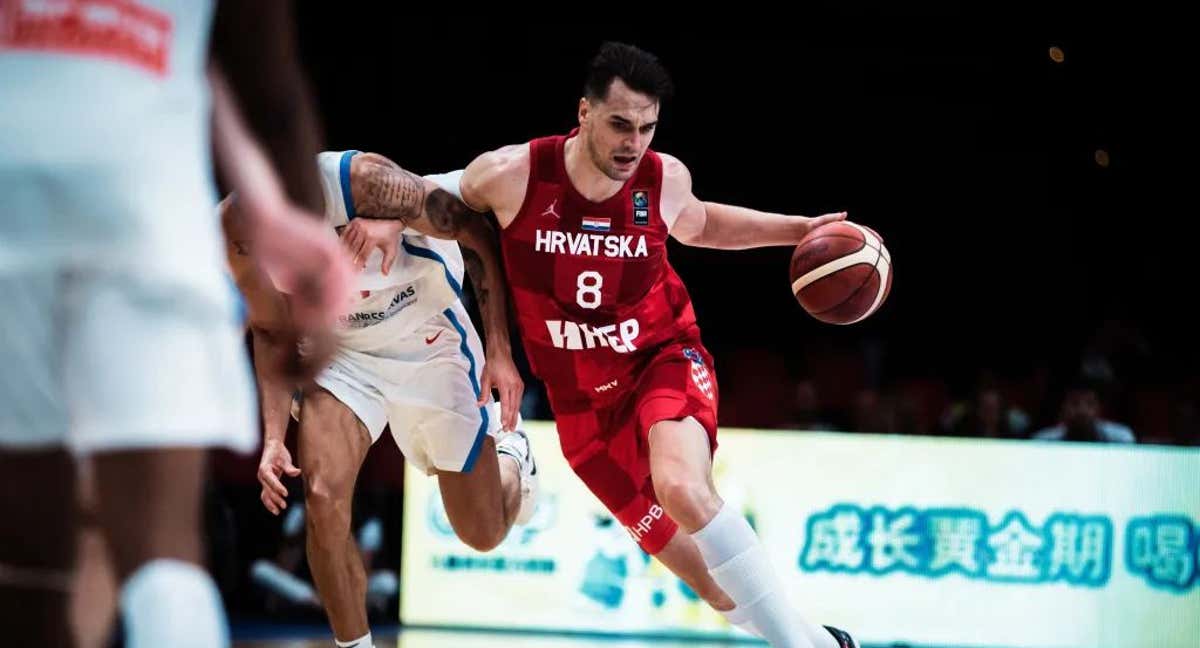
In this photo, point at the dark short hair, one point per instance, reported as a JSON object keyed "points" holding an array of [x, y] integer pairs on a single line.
{"points": [[639, 69]]}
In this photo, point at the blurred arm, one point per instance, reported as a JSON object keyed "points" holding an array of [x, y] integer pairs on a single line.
{"points": [[254, 44], [274, 248], [268, 320]]}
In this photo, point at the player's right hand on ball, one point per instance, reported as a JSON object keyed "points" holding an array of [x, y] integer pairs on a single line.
{"points": [[276, 460], [814, 222]]}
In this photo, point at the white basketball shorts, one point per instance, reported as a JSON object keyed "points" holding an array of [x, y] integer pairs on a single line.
{"points": [[425, 386], [96, 360]]}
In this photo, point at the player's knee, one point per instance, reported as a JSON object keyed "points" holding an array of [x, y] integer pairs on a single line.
{"points": [[482, 533], [484, 540], [328, 507], [690, 502]]}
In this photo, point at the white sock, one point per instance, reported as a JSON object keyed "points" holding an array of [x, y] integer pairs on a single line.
{"points": [[738, 563], [738, 617], [362, 642], [172, 603]]}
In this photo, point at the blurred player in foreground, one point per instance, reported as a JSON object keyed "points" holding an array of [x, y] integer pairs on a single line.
{"points": [[120, 339]]}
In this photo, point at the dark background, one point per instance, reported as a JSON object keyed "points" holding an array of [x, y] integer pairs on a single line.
{"points": [[952, 134]]}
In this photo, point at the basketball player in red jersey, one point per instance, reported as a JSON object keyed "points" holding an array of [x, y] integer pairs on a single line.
{"points": [[610, 329]]}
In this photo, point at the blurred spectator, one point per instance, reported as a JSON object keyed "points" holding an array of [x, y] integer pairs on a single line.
{"points": [[872, 413], [1081, 418], [894, 410], [805, 411], [987, 414], [906, 413], [865, 416]]}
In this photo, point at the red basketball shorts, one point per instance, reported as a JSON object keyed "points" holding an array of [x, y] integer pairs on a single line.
{"points": [[608, 446]]}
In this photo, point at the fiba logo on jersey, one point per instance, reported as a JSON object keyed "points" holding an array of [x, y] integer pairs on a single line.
{"points": [[641, 208]]}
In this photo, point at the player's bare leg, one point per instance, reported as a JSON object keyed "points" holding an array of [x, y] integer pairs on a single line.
{"points": [[95, 588], [148, 502], [725, 545], [481, 513], [37, 546], [681, 467], [94, 591], [332, 446], [683, 558]]}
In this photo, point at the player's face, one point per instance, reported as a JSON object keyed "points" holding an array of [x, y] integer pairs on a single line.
{"points": [[617, 131]]}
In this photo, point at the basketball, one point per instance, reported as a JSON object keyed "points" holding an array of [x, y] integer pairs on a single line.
{"points": [[841, 272]]}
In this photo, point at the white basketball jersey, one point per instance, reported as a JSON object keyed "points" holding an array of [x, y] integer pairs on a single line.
{"points": [[104, 141], [425, 279]]}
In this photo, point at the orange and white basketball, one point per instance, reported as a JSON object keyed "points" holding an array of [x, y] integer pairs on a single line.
{"points": [[841, 272]]}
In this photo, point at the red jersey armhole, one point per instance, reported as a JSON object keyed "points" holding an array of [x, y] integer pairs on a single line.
{"points": [[537, 151], [530, 183]]}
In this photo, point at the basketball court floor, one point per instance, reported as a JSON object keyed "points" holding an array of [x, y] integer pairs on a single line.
{"points": [[421, 638]]}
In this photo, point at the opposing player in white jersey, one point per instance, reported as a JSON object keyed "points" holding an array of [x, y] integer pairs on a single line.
{"points": [[119, 337], [407, 357]]}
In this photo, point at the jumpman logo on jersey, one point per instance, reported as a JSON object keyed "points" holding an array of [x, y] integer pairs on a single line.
{"points": [[550, 210]]}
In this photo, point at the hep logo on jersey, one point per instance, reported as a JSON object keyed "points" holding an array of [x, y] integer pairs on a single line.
{"points": [[574, 336]]}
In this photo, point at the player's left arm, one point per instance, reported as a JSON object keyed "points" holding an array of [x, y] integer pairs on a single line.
{"points": [[726, 227], [380, 188]]}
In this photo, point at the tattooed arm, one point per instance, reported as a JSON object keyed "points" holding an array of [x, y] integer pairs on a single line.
{"points": [[381, 189]]}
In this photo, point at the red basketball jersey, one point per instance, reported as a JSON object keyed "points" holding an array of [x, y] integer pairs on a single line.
{"points": [[594, 294]]}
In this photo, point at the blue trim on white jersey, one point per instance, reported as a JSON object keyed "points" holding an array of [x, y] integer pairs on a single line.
{"points": [[241, 312], [417, 250], [483, 413], [344, 172]]}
